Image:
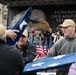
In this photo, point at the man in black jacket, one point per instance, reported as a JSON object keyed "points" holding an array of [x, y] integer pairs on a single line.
{"points": [[28, 50], [11, 61]]}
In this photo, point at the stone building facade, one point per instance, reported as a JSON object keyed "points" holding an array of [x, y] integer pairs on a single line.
{"points": [[3, 14]]}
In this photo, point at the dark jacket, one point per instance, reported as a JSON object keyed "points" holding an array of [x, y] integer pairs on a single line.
{"points": [[11, 62], [29, 52]]}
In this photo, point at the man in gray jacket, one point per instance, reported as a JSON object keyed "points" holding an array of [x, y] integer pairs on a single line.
{"points": [[65, 45]]}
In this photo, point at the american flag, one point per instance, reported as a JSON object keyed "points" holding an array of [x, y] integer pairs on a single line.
{"points": [[41, 50]]}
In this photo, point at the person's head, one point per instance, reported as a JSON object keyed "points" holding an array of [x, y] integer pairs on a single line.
{"points": [[33, 32], [23, 39], [58, 33], [49, 29], [2, 33], [68, 27]]}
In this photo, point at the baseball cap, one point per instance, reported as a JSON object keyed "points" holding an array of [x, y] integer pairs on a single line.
{"points": [[2, 30], [67, 22], [25, 33]]}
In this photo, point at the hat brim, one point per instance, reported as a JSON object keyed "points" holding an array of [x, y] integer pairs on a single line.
{"points": [[24, 34], [63, 25]]}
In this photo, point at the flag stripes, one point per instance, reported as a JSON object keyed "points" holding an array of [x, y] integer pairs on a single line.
{"points": [[40, 51]]}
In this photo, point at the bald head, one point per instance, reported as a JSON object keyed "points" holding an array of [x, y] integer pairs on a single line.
{"points": [[2, 31]]}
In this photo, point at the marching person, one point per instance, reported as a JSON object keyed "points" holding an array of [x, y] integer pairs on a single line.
{"points": [[65, 45], [11, 61], [28, 50], [72, 69]]}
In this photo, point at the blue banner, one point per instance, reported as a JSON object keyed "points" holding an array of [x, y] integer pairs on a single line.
{"points": [[20, 25], [50, 63]]}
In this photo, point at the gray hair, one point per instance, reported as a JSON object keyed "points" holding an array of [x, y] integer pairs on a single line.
{"points": [[2, 37]]}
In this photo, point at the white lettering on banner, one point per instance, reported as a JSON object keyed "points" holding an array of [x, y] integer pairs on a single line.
{"points": [[22, 24], [46, 73], [38, 64], [59, 56], [54, 64]]}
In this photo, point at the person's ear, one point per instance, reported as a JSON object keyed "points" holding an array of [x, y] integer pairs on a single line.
{"points": [[74, 28]]}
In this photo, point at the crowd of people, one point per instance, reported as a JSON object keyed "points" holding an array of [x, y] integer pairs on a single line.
{"points": [[44, 40], [30, 45]]}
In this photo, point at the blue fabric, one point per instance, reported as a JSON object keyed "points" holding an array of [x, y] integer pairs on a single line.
{"points": [[35, 39], [30, 38], [50, 43], [21, 25], [50, 63]]}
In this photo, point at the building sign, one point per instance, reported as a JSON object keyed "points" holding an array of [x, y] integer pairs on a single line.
{"points": [[55, 15], [60, 15]]}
